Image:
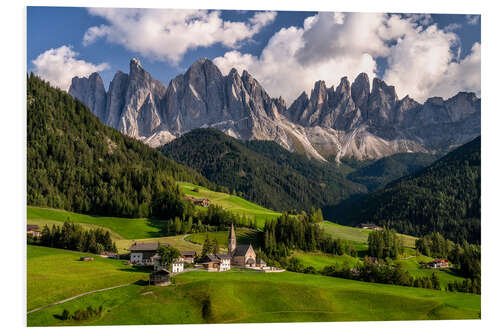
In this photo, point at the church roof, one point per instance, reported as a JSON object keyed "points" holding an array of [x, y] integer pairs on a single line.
{"points": [[241, 250]]}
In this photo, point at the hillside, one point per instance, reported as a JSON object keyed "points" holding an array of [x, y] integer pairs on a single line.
{"points": [[268, 175], [443, 197], [242, 297], [76, 163], [387, 169]]}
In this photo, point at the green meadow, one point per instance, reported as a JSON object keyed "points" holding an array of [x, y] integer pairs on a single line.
{"points": [[179, 242], [243, 235], [230, 202], [129, 228], [55, 274], [357, 234], [246, 297], [319, 260]]}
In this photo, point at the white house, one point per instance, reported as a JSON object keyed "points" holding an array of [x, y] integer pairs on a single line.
{"points": [[225, 262], [178, 266]]}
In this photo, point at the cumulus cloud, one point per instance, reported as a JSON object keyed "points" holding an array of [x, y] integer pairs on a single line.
{"points": [[169, 34], [59, 66], [419, 55]]}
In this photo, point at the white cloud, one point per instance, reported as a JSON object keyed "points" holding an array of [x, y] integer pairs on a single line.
{"points": [[419, 55], [59, 66], [169, 34], [452, 27], [472, 19]]}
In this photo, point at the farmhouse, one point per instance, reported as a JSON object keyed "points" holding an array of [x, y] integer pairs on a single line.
{"points": [[370, 226], [33, 230], [211, 263], [438, 263], [200, 202], [241, 255], [142, 253], [188, 256]]}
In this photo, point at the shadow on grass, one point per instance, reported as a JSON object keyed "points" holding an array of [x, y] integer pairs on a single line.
{"points": [[137, 269], [141, 283]]}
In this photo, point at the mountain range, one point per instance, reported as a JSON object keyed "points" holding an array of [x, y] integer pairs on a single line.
{"points": [[358, 121]]}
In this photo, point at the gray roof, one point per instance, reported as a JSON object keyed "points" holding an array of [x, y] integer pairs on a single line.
{"points": [[211, 257], [32, 227], [145, 246], [188, 253], [223, 256], [241, 250]]}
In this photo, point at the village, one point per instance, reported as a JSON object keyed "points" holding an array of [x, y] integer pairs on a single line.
{"points": [[237, 256]]}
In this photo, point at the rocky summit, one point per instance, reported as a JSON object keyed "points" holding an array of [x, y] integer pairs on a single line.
{"points": [[349, 121]]}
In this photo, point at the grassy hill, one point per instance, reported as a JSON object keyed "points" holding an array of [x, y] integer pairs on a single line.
{"points": [[358, 235], [55, 274], [122, 228], [264, 173], [444, 197], [244, 297], [233, 203], [244, 236]]}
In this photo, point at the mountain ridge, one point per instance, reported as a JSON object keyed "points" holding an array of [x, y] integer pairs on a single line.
{"points": [[349, 121]]}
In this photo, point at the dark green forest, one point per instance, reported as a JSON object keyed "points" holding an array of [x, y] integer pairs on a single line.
{"points": [[444, 197], [74, 162], [260, 171], [381, 172]]}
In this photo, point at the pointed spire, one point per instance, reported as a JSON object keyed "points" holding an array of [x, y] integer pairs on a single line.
{"points": [[231, 243]]}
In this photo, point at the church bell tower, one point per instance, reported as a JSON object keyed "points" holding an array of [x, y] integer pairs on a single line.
{"points": [[231, 242]]}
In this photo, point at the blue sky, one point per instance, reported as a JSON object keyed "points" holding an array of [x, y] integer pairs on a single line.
{"points": [[422, 55]]}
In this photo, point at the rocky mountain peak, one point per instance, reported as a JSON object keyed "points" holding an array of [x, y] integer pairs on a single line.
{"points": [[344, 87], [360, 91]]}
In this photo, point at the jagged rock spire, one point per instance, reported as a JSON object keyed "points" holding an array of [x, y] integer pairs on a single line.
{"points": [[231, 243]]}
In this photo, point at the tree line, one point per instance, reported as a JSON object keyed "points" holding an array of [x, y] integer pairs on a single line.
{"points": [[302, 231], [72, 236]]}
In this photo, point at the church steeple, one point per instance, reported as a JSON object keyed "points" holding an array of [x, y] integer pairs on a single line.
{"points": [[231, 242]]}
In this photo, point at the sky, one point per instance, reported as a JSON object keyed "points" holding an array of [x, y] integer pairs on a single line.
{"points": [[422, 55]]}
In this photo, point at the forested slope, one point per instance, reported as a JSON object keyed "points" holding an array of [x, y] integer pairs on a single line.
{"points": [[444, 197], [76, 163]]}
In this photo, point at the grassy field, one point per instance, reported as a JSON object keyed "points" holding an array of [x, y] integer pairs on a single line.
{"points": [[357, 234], [319, 260], [50, 223], [127, 228], [445, 275], [176, 241], [55, 274], [230, 202], [243, 236], [242, 297]]}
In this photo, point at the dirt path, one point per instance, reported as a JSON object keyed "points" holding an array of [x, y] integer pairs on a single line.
{"points": [[79, 295]]}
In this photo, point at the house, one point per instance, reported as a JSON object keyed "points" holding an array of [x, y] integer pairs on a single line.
{"points": [[241, 255], [160, 278], [370, 226], [86, 258], [178, 266], [142, 253], [33, 230], [225, 262], [188, 256], [200, 202], [438, 263], [211, 263]]}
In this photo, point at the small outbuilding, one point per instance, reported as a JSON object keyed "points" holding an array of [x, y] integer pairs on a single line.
{"points": [[86, 258], [160, 278]]}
